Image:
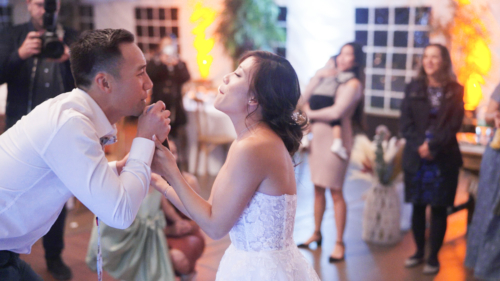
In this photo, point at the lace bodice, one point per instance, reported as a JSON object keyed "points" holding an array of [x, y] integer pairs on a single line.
{"points": [[266, 223]]}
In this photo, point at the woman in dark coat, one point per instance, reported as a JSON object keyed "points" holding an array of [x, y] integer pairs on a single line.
{"points": [[431, 115]]}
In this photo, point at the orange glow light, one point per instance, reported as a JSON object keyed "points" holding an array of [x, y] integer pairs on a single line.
{"points": [[470, 51], [205, 17]]}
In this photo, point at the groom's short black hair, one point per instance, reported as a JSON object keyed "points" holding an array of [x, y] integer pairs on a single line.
{"points": [[96, 51]]}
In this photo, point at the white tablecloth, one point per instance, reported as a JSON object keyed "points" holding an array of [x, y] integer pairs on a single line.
{"points": [[216, 124]]}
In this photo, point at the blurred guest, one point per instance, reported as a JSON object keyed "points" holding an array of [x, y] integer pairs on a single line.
{"points": [[168, 73], [328, 170], [183, 235], [141, 252], [32, 79], [431, 115], [483, 240]]}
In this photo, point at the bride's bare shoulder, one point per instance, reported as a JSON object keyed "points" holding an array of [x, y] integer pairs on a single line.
{"points": [[259, 144]]}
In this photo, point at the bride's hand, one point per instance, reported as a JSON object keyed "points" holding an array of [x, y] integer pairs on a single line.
{"points": [[159, 183], [164, 162]]}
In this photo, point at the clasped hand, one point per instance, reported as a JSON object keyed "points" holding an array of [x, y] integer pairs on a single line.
{"points": [[424, 151], [154, 121]]}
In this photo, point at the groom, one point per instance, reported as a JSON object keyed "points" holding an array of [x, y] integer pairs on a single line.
{"points": [[56, 151]]}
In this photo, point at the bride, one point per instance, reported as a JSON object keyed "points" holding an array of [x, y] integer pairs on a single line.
{"points": [[254, 195]]}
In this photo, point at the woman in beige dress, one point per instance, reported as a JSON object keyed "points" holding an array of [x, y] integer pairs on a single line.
{"points": [[341, 81]]}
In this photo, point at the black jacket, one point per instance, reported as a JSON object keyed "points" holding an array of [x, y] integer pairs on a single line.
{"points": [[414, 121], [16, 72], [167, 87]]}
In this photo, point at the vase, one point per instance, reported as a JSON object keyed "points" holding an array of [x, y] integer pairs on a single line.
{"points": [[381, 216]]}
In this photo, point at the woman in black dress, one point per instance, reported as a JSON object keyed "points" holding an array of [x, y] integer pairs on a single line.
{"points": [[431, 115]]}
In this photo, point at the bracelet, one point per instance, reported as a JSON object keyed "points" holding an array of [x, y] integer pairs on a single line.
{"points": [[166, 191]]}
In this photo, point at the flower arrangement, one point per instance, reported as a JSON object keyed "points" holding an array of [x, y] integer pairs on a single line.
{"points": [[379, 161]]}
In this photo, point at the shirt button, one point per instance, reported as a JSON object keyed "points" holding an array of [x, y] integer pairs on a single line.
{"points": [[46, 70], [47, 85]]}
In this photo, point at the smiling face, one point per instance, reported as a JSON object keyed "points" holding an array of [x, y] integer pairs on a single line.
{"points": [[133, 84], [346, 60], [432, 61], [234, 92]]}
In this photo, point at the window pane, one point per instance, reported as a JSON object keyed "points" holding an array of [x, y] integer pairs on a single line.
{"points": [[380, 38], [377, 102], [163, 31], [174, 14], [416, 62], [398, 83], [281, 51], [421, 39], [175, 30], [137, 13], [422, 15], [382, 16], [378, 82], [161, 14], [282, 14], [153, 48], [399, 61], [379, 60], [400, 38], [361, 37], [396, 103], [150, 13], [402, 16], [138, 30], [151, 31], [362, 15]]}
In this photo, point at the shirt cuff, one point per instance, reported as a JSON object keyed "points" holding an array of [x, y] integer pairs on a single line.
{"points": [[143, 150], [112, 165]]}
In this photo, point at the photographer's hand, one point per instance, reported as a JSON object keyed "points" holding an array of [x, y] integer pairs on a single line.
{"points": [[64, 57], [31, 46]]}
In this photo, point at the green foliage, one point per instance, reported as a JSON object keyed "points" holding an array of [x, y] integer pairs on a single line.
{"points": [[249, 25]]}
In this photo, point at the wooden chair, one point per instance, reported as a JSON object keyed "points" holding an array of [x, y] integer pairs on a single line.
{"points": [[206, 143]]}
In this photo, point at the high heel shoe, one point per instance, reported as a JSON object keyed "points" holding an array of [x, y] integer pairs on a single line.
{"points": [[318, 241], [333, 259]]}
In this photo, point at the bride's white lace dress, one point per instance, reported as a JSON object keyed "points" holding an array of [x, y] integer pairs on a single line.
{"points": [[262, 245]]}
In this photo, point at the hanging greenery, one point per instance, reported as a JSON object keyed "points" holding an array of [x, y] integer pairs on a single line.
{"points": [[249, 25]]}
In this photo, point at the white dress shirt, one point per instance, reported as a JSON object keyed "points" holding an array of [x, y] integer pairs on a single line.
{"points": [[55, 152]]}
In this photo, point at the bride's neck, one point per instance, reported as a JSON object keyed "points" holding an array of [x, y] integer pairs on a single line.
{"points": [[245, 126]]}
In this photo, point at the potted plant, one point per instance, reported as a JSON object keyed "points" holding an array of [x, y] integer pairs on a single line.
{"points": [[249, 25], [379, 161]]}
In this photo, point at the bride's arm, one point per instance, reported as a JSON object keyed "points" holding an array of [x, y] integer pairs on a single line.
{"points": [[233, 188]]}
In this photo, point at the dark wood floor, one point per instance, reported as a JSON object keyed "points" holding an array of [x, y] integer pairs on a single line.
{"points": [[363, 261]]}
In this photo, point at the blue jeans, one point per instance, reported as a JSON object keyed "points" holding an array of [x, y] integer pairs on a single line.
{"points": [[12, 268]]}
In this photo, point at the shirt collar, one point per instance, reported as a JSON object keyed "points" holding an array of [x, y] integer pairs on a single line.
{"points": [[101, 123]]}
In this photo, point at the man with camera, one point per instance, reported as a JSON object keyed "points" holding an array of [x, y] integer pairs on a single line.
{"points": [[34, 62]]}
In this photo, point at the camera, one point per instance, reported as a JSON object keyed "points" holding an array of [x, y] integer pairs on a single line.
{"points": [[52, 47]]}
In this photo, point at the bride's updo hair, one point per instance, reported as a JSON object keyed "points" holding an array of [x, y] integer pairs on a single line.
{"points": [[276, 88]]}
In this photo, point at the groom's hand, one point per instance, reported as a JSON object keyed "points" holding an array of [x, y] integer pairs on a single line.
{"points": [[154, 121]]}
